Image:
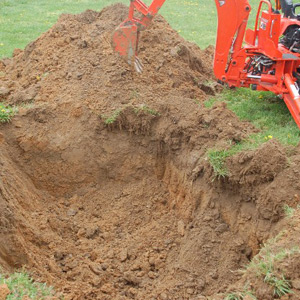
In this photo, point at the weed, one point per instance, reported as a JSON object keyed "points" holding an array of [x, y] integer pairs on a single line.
{"points": [[217, 161], [289, 211], [264, 265], [217, 158], [197, 102], [134, 94], [6, 113], [111, 119], [210, 102], [240, 295], [234, 296], [146, 109], [20, 284], [281, 285]]}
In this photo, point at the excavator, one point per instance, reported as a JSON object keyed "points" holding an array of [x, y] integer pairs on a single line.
{"points": [[266, 58]]}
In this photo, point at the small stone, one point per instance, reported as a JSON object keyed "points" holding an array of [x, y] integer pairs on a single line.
{"points": [[131, 279], [71, 212], [132, 291], [97, 269], [152, 275], [190, 291], [135, 267], [181, 227], [92, 232], [214, 275], [72, 265], [104, 267], [4, 91], [81, 232], [151, 261], [123, 255], [163, 296], [221, 228], [201, 284], [174, 51], [4, 291], [296, 284]]}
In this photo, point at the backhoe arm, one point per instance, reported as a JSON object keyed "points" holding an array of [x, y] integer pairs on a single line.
{"points": [[232, 21], [266, 58], [126, 36]]}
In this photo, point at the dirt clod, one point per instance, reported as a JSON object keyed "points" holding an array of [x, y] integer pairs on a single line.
{"points": [[4, 291]]}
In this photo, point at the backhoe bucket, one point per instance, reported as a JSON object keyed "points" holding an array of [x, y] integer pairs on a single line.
{"points": [[125, 42]]}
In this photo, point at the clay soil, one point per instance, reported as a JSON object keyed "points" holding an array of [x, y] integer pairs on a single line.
{"points": [[105, 188]]}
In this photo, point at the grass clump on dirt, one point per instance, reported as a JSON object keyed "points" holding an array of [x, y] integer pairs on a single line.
{"points": [[217, 157], [265, 266], [112, 118], [147, 110], [6, 113], [21, 284], [288, 211], [217, 160], [266, 112], [240, 295]]}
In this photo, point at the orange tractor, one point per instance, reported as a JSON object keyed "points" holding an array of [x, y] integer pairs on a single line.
{"points": [[266, 58]]}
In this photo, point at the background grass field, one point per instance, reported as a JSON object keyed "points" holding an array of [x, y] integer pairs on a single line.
{"points": [[22, 21]]}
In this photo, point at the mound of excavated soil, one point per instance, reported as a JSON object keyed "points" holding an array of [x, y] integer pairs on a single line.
{"points": [[105, 189]]}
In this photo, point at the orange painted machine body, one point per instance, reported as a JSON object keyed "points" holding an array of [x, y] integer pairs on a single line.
{"points": [[264, 58]]}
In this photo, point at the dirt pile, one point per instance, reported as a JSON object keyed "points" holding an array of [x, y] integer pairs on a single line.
{"points": [[106, 191], [76, 54]]}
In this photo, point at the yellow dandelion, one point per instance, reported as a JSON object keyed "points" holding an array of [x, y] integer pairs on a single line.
{"points": [[270, 136]]}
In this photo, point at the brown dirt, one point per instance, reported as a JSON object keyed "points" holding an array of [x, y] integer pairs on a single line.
{"points": [[4, 291], [128, 210]]}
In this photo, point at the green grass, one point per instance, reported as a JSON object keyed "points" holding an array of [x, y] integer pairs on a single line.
{"points": [[265, 266], [147, 110], [20, 284], [112, 118], [240, 295], [265, 111], [289, 211], [22, 21], [217, 160], [6, 113]]}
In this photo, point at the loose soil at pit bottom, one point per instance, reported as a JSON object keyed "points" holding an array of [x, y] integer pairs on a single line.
{"points": [[106, 191]]}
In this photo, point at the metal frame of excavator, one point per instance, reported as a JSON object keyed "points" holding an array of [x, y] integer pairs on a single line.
{"points": [[236, 46]]}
